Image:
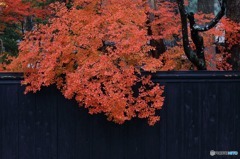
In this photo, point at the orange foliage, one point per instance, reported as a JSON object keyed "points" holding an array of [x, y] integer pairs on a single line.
{"points": [[70, 52], [17, 10]]}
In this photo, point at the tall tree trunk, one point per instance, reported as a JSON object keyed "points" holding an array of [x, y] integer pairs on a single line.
{"points": [[29, 23], [206, 6], [233, 13], [158, 44]]}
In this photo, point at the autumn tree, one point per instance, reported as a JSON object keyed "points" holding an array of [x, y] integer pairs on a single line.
{"points": [[14, 21], [93, 52], [16, 11]]}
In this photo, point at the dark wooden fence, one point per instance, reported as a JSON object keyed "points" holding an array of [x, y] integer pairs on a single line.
{"points": [[201, 113]]}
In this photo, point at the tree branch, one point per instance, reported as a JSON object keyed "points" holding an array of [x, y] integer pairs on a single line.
{"points": [[192, 55]]}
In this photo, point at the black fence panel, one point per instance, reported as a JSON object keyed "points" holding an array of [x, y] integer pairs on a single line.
{"points": [[201, 113]]}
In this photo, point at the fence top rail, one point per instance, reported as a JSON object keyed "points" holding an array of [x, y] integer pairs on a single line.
{"points": [[195, 75], [161, 75], [11, 76]]}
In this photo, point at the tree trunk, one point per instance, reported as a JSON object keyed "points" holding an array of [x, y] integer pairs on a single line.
{"points": [[29, 23], [233, 13], [206, 6], [158, 44]]}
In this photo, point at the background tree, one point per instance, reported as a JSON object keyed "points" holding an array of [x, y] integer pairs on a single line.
{"points": [[14, 17], [17, 17], [206, 6], [157, 43]]}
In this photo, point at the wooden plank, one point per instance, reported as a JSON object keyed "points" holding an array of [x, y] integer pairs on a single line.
{"points": [[116, 140], [134, 141], [162, 126], [237, 116], [226, 124], [100, 137], [174, 127], [1, 116], [67, 116], [210, 110], [46, 124], [26, 105], [192, 119], [10, 122], [151, 140], [54, 123], [83, 134]]}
